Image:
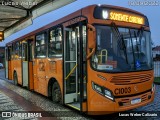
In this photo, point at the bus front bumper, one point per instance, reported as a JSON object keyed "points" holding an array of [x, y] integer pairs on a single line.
{"points": [[100, 105]]}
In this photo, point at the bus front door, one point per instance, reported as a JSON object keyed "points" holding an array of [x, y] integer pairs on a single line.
{"points": [[27, 64], [73, 62], [30, 64], [6, 62], [8, 65]]}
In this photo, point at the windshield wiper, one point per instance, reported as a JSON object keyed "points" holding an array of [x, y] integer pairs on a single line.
{"points": [[120, 39], [140, 33], [137, 49], [134, 59]]}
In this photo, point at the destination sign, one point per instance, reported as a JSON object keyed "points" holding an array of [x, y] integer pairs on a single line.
{"points": [[120, 15], [126, 17]]}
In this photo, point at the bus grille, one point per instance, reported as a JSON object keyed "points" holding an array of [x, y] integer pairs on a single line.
{"points": [[131, 79]]}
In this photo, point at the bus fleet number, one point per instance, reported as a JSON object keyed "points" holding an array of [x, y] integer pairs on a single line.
{"points": [[126, 90]]}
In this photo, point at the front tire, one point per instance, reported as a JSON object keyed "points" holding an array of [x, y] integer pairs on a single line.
{"points": [[56, 93]]}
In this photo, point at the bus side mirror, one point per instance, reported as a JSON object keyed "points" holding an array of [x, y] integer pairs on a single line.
{"points": [[91, 40], [92, 36]]}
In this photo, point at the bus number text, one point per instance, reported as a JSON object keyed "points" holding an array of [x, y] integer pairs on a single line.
{"points": [[126, 90]]}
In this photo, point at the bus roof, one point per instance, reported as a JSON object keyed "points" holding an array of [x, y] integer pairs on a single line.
{"points": [[72, 15]]}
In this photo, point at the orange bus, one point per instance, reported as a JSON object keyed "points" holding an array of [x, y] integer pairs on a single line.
{"points": [[96, 60]]}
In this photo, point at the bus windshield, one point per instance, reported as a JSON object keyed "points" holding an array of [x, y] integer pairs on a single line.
{"points": [[122, 49]]}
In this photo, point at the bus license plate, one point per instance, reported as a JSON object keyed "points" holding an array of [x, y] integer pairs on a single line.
{"points": [[135, 101]]}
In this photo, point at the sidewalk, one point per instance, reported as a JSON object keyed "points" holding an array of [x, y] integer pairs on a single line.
{"points": [[16, 107]]}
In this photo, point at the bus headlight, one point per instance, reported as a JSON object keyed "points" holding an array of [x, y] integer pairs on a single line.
{"points": [[97, 88], [108, 94], [103, 91]]}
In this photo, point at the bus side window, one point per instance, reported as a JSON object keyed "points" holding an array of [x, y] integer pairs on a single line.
{"points": [[55, 43], [16, 53], [9, 53], [41, 45]]}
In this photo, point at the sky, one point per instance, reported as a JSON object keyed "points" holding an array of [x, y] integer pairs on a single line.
{"points": [[150, 8]]}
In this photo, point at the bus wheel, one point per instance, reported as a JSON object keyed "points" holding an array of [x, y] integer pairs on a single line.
{"points": [[56, 93], [15, 78]]}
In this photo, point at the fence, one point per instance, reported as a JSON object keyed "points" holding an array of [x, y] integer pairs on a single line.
{"points": [[156, 68], [156, 59]]}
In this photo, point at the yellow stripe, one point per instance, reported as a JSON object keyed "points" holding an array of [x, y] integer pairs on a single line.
{"points": [[73, 107], [71, 72]]}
